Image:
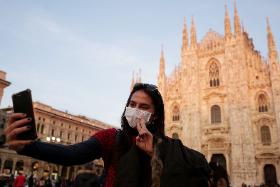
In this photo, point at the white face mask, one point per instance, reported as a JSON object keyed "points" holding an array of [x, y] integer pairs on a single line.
{"points": [[132, 114]]}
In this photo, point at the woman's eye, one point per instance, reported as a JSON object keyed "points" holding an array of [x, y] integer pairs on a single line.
{"points": [[144, 107], [132, 104]]}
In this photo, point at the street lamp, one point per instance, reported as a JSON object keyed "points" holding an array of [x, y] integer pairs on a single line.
{"points": [[53, 139]]}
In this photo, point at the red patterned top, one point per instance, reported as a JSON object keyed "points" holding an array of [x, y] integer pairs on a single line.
{"points": [[107, 139]]}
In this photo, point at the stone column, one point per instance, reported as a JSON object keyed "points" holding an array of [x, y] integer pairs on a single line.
{"points": [[67, 173], [14, 165], [2, 165]]}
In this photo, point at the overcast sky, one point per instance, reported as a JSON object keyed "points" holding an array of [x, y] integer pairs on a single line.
{"points": [[79, 55]]}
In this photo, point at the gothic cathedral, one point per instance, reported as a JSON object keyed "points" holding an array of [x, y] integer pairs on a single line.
{"points": [[223, 100]]}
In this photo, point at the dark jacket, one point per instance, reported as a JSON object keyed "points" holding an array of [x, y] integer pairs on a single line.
{"points": [[86, 179], [182, 167]]}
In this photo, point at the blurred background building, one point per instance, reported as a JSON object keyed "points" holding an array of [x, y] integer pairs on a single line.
{"points": [[52, 126]]}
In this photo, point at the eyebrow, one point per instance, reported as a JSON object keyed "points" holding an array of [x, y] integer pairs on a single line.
{"points": [[145, 105], [131, 101], [140, 104]]}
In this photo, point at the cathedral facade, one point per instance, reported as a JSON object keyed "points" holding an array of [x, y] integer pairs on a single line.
{"points": [[223, 99]]}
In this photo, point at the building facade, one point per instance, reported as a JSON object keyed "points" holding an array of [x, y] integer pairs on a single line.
{"points": [[52, 126], [3, 83], [223, 99]]}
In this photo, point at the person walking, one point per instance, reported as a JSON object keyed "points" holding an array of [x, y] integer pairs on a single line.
{"points": [[86, 177], [20, 180], [31, 181]]}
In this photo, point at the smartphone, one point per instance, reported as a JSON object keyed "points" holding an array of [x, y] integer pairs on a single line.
{"points": [[22, 103]]}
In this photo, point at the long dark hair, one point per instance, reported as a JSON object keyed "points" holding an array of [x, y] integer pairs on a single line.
{"points": [[157, 125]]}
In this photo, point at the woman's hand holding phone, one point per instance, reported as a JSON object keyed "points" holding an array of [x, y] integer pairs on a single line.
{"points": [[16, 125], [22, 103]]}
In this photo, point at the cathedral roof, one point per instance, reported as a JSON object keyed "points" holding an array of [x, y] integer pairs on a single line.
{"points": [[212, 38]]}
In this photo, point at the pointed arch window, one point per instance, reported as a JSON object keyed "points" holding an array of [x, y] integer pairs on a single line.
{"points": [[265, 135], [214, 75], [176, 114], [215, 114], [262, 103]]}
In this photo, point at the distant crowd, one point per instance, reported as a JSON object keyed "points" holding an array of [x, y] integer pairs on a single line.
{"points": [[84, 178], [88, 178]]}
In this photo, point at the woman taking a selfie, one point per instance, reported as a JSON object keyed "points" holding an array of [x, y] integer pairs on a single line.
{"points": [[137, 155]]}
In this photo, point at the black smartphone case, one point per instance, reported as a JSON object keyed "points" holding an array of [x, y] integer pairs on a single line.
{"points": [[22, 103]]}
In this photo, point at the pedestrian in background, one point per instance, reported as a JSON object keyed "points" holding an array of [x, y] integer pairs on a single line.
{"points": [[20, 180]]}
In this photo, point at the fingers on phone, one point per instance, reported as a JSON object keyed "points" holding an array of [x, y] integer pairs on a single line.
{"points": [[16, 116], [20, 123], [19, 130]]}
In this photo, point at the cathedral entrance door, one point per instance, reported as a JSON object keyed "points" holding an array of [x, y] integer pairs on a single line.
{"points": [[219, 158], [270, 175]]}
